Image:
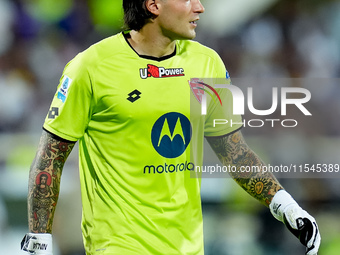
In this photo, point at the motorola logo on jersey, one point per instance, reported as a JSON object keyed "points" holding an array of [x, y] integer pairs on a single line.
{"points": [[160, 72], [171, 134]]}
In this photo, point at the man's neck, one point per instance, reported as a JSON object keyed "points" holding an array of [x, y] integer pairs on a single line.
{"points": [[150, 43]]}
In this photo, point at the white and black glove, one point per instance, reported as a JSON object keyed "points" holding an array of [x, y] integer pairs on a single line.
{"points": [[298, 221], [39, 244]]}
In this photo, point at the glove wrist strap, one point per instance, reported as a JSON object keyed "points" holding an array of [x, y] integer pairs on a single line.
{"points": [[39, 244], [281, 200]]}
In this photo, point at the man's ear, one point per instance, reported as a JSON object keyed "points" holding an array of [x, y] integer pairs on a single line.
{"points": [[153, 6]]}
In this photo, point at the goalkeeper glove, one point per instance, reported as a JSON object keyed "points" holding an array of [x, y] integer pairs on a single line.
{"points": [[39, 244], [298, 221]]}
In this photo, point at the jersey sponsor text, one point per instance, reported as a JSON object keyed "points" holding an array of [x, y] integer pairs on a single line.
{"points": [[160, 169], [160, 72]]}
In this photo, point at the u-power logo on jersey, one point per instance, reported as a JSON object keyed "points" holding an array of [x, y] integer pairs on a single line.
{"points": [[160, 72], [171, 134]]}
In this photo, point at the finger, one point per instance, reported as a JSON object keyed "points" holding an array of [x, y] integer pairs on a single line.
{"points": [[315, 247], [313, 251], [315, 234]]}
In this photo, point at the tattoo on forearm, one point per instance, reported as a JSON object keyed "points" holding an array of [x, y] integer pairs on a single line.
{"points": [[232, 150], [44, 182]]}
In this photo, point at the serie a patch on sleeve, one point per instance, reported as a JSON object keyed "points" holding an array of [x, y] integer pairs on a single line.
{"points": [[63, 90], [227, 75]]}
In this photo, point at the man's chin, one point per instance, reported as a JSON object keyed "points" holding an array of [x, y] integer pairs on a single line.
{"points": [[183, 36], [188, 37]]}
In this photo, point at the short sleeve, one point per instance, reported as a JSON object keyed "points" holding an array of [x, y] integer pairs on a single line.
{"points": [[220, 119], [70, 109]]}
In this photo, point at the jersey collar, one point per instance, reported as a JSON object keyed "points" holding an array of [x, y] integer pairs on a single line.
{"points": [[126, 35]]}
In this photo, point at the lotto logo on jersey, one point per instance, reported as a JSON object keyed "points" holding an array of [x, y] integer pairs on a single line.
{"points": [[65, 85], [171, 134], [160, 72]]}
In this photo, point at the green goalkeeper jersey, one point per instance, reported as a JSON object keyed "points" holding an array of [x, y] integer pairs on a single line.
{"points": [[140, 130]]}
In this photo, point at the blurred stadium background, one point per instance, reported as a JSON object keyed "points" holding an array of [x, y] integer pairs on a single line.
{"points": [[257, 39]]}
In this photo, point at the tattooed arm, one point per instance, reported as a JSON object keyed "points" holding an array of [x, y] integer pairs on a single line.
{"points": [[233, 150], [44, 182]]}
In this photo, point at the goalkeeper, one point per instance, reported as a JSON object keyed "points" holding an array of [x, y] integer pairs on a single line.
{"points": [[127, 101]]}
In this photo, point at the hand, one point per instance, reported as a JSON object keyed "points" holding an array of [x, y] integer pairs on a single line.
{"points": [[297, 220], [304, 227], [39, 244]]}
